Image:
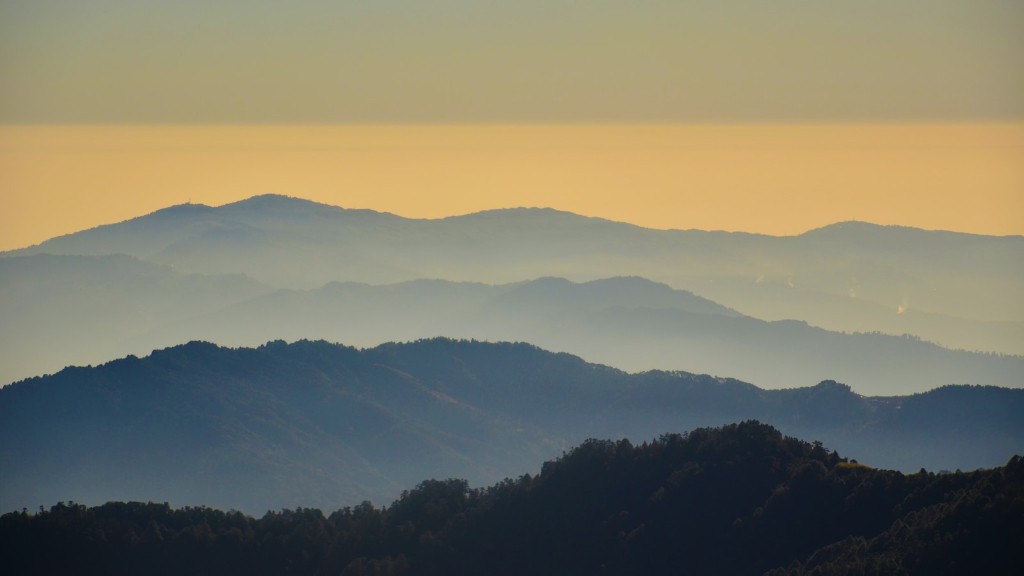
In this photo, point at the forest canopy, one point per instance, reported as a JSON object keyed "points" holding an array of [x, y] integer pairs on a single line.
{"points": [[740, 499]]}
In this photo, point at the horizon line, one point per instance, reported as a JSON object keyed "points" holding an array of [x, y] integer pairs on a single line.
{"points": [[506, 209]]}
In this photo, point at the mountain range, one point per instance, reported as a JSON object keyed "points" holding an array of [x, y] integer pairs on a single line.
{"points": [[318, 424], [925, 330], [273, 267], [959, 290], [64, 310]]}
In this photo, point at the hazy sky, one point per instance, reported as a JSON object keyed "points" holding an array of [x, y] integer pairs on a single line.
{"points": [[779, 179], [768, 116], [537, 61]]}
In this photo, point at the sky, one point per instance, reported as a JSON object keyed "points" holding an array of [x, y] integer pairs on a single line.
{"points": [[503, 61], [772, 117]]}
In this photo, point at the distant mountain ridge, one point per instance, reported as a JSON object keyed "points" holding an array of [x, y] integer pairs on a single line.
{"points": [[316, 424], [960, 290], [61, 310], [279, 205], [629, 323], [295, 206], [75, 310]]}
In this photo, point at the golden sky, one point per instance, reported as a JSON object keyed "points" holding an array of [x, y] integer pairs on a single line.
{"points": [[509, 61], [775, 179], [751, 115]]}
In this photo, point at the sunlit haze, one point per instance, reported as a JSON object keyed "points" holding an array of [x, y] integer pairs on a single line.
{"points": [[739, 115], [775, 179]]}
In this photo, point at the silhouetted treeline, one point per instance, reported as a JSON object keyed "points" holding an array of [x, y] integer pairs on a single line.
{"points": [[742, 499]]}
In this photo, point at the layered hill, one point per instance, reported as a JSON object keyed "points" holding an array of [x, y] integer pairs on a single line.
{"points": [[317, 424], [741, 499], [77, 310], [58, 311], [959, 290]]}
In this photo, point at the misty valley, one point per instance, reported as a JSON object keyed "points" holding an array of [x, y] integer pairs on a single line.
{"points": [[280, 386]]}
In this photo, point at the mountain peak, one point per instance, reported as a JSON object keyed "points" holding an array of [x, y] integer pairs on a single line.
{"points": [[522, 210], [532, 213], [857, 228], [183, 210], [832, 385], [274, 201], [276, 205], [853, 227]]}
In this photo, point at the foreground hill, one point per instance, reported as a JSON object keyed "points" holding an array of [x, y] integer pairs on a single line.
{"points": [[72, 310], [740, 500], [317, 424], [960, 290]]}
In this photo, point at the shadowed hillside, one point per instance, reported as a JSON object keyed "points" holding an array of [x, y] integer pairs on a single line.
{"points": [[741, 499], [317, 424], [960, 290], [62, 310]]}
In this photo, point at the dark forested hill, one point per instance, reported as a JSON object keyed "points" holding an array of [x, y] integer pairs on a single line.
{"points": [[960, 290], [317, 424], [737, 500]]}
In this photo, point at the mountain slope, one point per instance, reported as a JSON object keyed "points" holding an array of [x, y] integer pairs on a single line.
{"points": [[629, 323], [318, 424], [850, 276], [63, 310], [58, 311], [741, 499]]}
